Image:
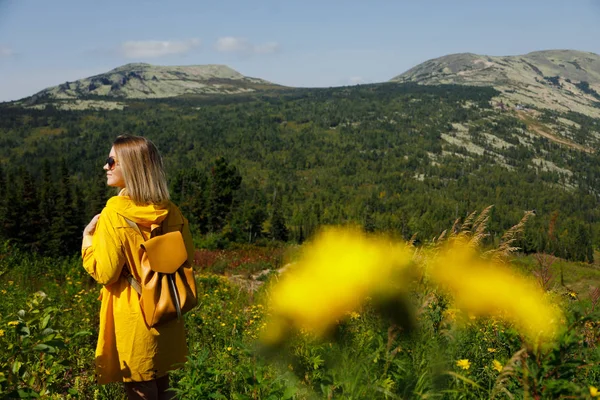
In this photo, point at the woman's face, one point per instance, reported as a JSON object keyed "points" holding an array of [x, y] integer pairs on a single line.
{"points": [[114, 175]]}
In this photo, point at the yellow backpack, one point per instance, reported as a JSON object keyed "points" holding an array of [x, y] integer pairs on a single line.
{"points": [[167, 287]]}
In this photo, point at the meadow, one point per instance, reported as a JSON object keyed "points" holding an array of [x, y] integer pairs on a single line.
{"points": [[49, 319]]}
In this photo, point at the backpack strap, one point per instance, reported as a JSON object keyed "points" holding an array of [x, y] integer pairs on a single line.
{"points": [[128, 275], [133, 225]]}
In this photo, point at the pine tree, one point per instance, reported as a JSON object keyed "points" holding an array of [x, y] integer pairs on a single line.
{"points": [[65, 231], [279, 230], [225, 181]]}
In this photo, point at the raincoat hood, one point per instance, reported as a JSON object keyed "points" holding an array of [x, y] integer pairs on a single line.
{"points": [[149, 215]]}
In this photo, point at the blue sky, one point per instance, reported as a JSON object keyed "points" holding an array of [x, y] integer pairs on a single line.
{"points": [[296, 43]]}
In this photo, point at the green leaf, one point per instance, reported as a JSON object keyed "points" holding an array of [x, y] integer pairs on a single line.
{"points": [[27, 394], [24, 330], [44, 348], [289, 392], [16, 366], [81, 333], [45, 321]]}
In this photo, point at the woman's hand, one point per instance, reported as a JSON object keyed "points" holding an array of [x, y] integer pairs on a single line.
{"points": [[91, 227]]}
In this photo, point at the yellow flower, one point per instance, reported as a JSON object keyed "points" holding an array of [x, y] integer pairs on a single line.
{"points": [[3, 291], [485, 288], [491, 350], [222, 324], [464, 364], [13, 323], [354, 315], [594, 391], [335, 275], [497, 365], [1, 332], [229, 349], [10, 283]]}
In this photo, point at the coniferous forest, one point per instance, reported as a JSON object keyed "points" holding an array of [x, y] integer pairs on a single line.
{"points": [[276, 166]]}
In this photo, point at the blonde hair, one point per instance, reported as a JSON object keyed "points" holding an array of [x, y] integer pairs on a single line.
{"points": [[143, 172]]}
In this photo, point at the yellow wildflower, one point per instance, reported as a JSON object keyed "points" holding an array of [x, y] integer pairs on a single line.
{"points": [[3, 291], [464, 364], [336, 274], [491, 350], [229, 349], [497, 365], [483, 288], [1, 332], [594, 391], [13, 323]]}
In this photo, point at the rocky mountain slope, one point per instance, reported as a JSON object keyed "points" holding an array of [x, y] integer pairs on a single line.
{"points": [[145, 81], [562, 80]]}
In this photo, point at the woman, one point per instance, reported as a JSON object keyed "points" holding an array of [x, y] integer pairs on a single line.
{"points": [[128, 350]]}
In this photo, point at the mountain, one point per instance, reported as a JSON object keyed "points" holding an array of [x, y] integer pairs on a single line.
{"points": [[561, 80], [146, 81]]}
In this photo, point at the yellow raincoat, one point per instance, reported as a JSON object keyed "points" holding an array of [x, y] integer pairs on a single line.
{"points": [[127, 350]]}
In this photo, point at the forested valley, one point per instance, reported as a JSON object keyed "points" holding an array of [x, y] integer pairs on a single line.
{"points": [[275, 166]]}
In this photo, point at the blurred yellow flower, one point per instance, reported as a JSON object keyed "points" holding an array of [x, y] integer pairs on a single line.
{"points": [[1, 332], [335, 275], [13, 323], [497, 365], [229, 349], [483, 288], [464, 364], [10, 283], [491, 350], [594, 391]]}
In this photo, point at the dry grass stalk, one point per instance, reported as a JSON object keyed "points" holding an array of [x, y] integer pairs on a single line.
{"points": [[466, 226], [595, 297], [455, 228], [506, 248], [543, 272], [441, 237], [479, 227], [508, 371], [412, 240]]}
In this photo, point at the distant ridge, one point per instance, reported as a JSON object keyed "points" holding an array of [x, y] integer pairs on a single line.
{"points": [[556, 79], [146, 81]]}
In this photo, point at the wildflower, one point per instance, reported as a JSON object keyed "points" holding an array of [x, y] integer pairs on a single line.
{"points": [[337, 272], [464, 364], [491, 350], [594, 391], [229, 348], [483, 288], [13, 323], [3, 291], [497, 365], [222, 323], [1, 332]]}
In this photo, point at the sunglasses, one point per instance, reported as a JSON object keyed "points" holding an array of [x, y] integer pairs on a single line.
{"points": [[111, 161]]}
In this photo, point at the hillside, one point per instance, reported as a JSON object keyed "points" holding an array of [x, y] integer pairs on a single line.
{"points": [[561, 80], [403, 158], [140, 81]]}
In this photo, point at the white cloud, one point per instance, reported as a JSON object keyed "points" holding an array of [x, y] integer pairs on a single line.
{"points": [[230, 44], [6, 52], [157, 48]]}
